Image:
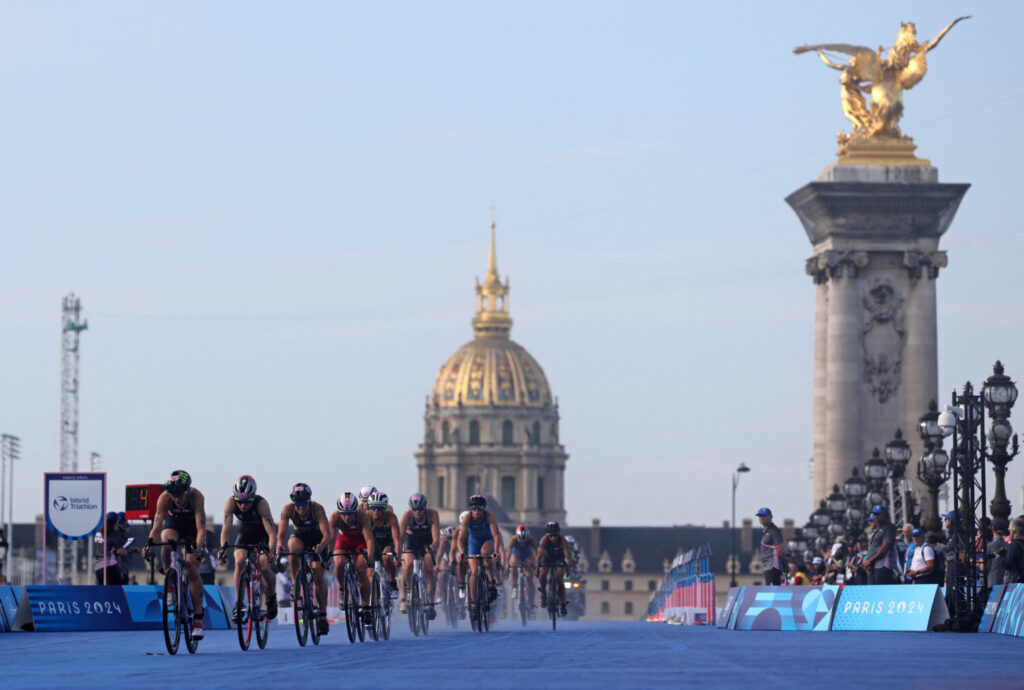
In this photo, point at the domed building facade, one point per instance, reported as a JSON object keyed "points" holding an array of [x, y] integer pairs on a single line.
{"points": [[491, 423]]}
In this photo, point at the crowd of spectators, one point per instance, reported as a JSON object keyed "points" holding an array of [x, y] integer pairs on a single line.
{"points": [[911, 555]]}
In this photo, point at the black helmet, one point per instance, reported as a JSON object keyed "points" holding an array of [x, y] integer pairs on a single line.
{"points": [[300, 493], [552, 528], [418, 501], [244, 489], [178, 483], [477, 501]]}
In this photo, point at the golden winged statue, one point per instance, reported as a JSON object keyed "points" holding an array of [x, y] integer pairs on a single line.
{"points": [[883, 78]]}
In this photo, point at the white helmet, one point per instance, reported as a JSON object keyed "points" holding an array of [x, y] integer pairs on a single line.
{"points": [[364, 493], [462, 516]]}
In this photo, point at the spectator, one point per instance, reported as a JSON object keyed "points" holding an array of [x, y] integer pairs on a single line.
{"points": [[940, 558], [1015, 554], [283, 582], [906, 548], [105, 562], [816, 570], [797, 576], [995, 553], [835, 570], [881, 560], [125, 563], [857, 575], [922, 567], [772, 548], [208, 566]]}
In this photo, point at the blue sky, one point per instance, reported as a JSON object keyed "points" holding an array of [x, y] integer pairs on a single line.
{"points": [[274, 216]]}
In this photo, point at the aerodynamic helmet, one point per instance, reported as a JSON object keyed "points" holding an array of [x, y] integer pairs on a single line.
{"points": [[552, 528], [418, 501], [364, 493], [348, 502], [245, 488], [477, 501], [522, 533], [178, 483], [378, 499], [300, 493], [447, 532]]}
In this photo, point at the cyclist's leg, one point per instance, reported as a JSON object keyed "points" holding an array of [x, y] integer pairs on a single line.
{"points": [[339, 569], [364, 578], [528, 568], [240, 555], [486, 549], [542, 574], [403, 584], [166, 535], [269, 580], [320, 585], [560, 580], [428, 573], [195, 584], [295, 545], [390, 562]]}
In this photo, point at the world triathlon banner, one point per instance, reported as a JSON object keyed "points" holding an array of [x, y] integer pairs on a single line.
{"points": [[784, 608], [908, 608], [75, 502]]}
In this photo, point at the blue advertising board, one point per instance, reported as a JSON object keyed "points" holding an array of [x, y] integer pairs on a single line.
{"points": [[722, 621], [145, 606], [988, 617], [909, 608], [87, 607], [8, 607], [784, 608], [1009, 618]]}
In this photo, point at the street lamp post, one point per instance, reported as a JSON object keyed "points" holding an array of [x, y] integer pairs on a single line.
{"points": [[10, 447], [855, 489], [1000, 393], [897, 455], [933, 467], [875, 471], [836, 503], [734, 564]]}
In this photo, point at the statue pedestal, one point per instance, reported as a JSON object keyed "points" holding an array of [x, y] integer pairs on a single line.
{"points": [[875, 231]]}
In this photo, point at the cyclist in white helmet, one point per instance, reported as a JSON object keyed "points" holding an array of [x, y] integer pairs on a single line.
{"points": [[521, 550], [256, 528]]}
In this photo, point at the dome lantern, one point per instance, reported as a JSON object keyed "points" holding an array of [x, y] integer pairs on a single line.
{"points": [[492, 319]]}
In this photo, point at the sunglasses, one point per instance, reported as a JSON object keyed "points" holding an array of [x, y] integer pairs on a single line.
{"points": [[476, 509], [417, 510], [245, 500], [348, 512], [377, 509], [301, 504]]}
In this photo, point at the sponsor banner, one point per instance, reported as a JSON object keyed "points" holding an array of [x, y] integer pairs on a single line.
{"points": [[909, 608], [85, 607], [988, 617], [75, 502], [8, 607], [1009, 619], [145, 605], [784, 608], [722, 621]]}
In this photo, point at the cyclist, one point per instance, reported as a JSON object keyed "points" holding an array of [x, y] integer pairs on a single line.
{"points": [[256, 528], [181, 516], [444, 568], [458, 559], [553, 552], [421, 529], [364, 498], [384, 527], [310, 531], [574, 551], [480, 537], [520, 552], [353, 530]]}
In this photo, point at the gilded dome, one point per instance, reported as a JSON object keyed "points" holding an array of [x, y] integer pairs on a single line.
{"points": [[491, 369]]}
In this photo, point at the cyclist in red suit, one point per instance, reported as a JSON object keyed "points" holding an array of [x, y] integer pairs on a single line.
{"points": [[354, 535]]}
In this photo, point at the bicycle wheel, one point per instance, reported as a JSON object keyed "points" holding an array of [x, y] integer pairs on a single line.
{"points": [[387, 607], [424, 604], [185, 603], [452, 605], [524, 601], [349, 603], [375, 607], [299, 614], [552, 598], [414, 604], [244, 603], [360, 628], [172, 619], [260, 613], [312, 609]]}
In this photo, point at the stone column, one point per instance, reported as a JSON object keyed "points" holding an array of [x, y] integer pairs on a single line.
{"points": [[875, 230]]}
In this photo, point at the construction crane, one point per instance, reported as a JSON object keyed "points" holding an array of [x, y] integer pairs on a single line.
{"points": [[71, 326]]}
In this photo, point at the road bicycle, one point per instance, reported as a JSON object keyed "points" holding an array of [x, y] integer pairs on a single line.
{"points": [[550, 586], [351, 597], [480, 604], [305, 605], [380, 603], [417, 610], [178, 610], [252, 596], [448, 587], [521, 582]]}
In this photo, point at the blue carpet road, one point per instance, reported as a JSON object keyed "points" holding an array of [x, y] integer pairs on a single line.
{"points": [[611, 655]]}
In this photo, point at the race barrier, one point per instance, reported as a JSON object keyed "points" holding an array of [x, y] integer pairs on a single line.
{"points": [[63, 608], [688, 592], [783, 608], [1009, 617], [912, 608]]}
